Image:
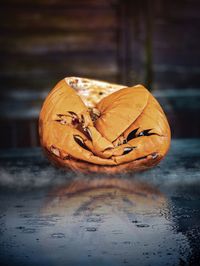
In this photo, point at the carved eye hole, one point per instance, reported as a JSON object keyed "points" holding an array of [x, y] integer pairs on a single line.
{"points": [[55, 151], [133, 134], [69, 118], [128, 149], [80, 142], [74, 118], [87, 133], [146, 133]]}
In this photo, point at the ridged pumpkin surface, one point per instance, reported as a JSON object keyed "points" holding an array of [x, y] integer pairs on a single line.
{"points": [[96, 126]]}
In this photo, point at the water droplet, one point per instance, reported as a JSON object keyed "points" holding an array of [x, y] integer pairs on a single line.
{"points": [[127, 242], [57, 235], [28, 230], [91, 229], [95, 219], [20, 227], [142, 225]]}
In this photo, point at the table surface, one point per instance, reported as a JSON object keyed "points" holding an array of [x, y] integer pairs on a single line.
{"points": [[52, 217]]}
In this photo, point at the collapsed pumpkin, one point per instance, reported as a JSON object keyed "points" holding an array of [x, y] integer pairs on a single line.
{"points": [[96, 126]]}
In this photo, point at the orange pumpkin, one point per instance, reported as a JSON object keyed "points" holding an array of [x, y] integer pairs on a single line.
{"points": [[96, 126]]}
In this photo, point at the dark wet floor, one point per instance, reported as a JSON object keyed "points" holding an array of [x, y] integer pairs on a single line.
{"points": [[50, 217]]}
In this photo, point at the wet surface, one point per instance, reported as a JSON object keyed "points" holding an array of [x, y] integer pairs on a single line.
{"points": [[50, 217]]}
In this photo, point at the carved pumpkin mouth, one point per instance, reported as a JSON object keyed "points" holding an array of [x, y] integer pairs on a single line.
{"points": [[103, 125]]}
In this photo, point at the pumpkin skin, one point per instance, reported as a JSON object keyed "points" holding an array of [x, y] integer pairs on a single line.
{"points": [[95, 126]]}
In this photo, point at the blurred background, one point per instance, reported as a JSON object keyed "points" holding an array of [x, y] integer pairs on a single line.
{"points": [[155, 43]]}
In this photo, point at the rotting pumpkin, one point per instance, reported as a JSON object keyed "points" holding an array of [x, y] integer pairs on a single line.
{"points": [[95, 126]]}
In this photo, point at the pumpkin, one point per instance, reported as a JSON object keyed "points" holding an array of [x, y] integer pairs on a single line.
{"points": [[96, 126]]}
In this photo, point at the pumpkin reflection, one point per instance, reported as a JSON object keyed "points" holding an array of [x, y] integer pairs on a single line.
{"points": [[105, 195], [106, 219]]}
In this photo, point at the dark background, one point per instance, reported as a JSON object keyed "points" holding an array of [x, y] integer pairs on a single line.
{"points": [[155, 43]]}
